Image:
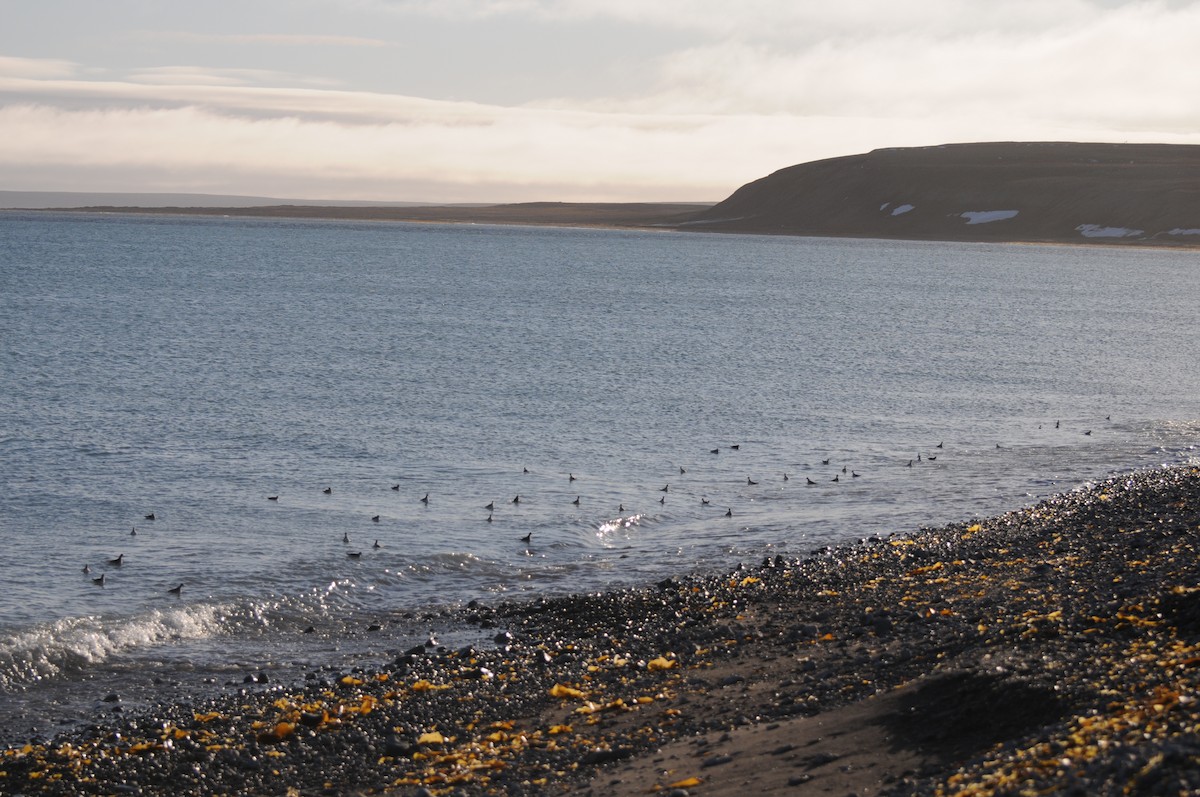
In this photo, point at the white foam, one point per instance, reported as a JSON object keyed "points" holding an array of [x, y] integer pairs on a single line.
{"points": [[1096, 231], [1182, 231], [71, 644], [884, 205], [987, 216], [899, 209]]}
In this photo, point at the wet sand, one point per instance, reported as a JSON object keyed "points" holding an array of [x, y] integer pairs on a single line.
{"points": [[1049, 650]]}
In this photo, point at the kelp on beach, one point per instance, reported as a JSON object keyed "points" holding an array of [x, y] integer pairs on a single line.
{"points": [[1046, 649]]}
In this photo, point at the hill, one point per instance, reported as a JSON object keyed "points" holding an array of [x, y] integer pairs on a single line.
{"points": [[1044, 192]]}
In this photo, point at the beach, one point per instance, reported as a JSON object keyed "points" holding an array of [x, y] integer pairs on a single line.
{"points": [[1051, 649]]}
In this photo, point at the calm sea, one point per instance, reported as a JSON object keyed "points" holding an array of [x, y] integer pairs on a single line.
{"points": [[192, 369]]}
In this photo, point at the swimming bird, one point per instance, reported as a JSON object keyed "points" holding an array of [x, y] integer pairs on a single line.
{"points": [[375, 518], [621, 508], [662, 500], [810, 481], [750, 481], [1056, 424], [425, 500], [570, 477], [272, 498], [785, 477], [681, 470], [665, 488], [715, 451], [855, 474], [931, 457], [576, 501], [939, 445], [396, 487], [735, 448], [516, 499], [176, 590], [150, 516], [524, 470], [354, 554], [328, 491], [918, 456], [490, 506], [133, 532], [99, 581], [376, 545], [489, 518], [703, 502], [1089, 431], [909, 465], [729, 512], [87, 568], [527, 538], [835, 478], [345, 537], [824, 462], [117, 562], [843, 469]]}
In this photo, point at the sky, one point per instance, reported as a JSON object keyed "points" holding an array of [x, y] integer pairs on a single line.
{"points": [[561, 100]]}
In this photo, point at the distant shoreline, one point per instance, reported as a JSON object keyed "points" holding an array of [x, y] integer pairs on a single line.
{"points": [[675, 217]]}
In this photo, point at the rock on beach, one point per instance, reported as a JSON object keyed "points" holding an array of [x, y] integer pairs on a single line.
{"points": [[1053, 649]]}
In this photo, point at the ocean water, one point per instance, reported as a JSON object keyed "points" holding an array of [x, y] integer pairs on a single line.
{"points": [[194, 368]]}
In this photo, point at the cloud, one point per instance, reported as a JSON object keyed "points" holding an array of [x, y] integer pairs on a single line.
{"points": [[258, 39], [36, 68]]}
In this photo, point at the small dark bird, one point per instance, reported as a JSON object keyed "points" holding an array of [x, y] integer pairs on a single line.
{"points": [[785, 477], [375, 518], [133, 532], [87, 568], [665, 488], [1089, 431], [99, 581], [750, 481], [810, 481], [425, 500], [328, 491], [918, 456], [396, 487], [1056, 424], [570, 477], [527, 538], [272, 498], [355, 554], [576, 501], [621, 508], [150, 516], [931, 457], [939, 445], [735, 448], [854, 474], [843, 469], [524, 470], [681, 470], [909, 465], [835, 478], [824, 462], [117, 562], [662, 500], [703, 502], [490, 506], [729, 512], [345, 537], [715, 451], [516, 499], [489, 518], [1108, 417], [376, 545], [176, 590]]}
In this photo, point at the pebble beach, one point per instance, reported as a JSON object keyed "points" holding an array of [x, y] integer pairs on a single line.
{"points": [[1053, 649]]}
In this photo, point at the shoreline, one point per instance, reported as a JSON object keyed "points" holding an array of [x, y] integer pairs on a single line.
{"points": [[1048, 648], [646, 217]]}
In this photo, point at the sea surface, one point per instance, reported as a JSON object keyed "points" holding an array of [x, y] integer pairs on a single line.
{"points": [[282, 395]]}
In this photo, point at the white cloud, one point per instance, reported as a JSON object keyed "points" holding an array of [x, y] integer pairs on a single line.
{"points": [[36, 68], [258, 39]]}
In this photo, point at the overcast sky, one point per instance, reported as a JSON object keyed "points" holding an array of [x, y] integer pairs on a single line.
{"points": [[575, 100]]}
